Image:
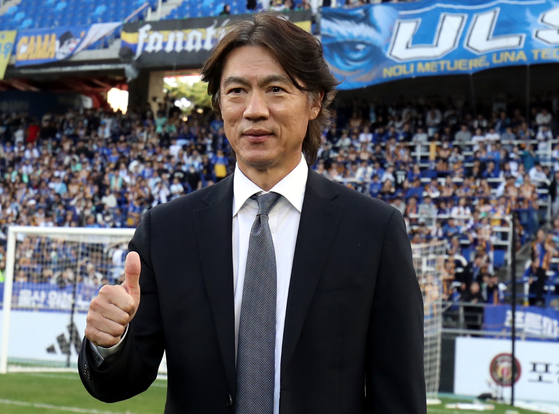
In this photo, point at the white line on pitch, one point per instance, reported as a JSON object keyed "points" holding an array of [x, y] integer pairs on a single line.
{"points": [[58, 407], [70, 377], [76, 377]]}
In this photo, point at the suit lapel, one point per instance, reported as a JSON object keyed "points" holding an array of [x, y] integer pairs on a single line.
{"points": [[320, 217], [213, 232]]}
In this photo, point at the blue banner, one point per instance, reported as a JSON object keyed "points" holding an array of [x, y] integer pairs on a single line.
{"points": [[530, 320], [40, 46], [378, 43], [50, 297]]}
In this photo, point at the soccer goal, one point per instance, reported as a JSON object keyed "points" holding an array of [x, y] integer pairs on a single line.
{"points": [[52, 273], [429, 260]]}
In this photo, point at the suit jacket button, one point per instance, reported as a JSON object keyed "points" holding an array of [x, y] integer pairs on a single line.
{"points": [[229, 400]]}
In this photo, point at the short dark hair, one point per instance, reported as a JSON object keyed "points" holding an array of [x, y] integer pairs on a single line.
{"points": [[298, 52]]}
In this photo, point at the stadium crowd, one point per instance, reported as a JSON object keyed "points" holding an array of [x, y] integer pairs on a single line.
{"points": [[454, 176]]}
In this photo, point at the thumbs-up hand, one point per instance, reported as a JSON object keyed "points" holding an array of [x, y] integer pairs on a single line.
{"points": [[115, 306]]}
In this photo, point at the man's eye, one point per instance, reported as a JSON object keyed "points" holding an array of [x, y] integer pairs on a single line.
{"points": [[235, 91], [276, 89]]}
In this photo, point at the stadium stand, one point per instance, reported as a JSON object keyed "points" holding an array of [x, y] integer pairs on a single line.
{"points": [[191, 8], [453, 176], [32, 14]]}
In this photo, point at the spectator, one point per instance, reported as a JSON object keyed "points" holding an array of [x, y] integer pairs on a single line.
{"points": [[543, 118], [492, 291], [399, 204], [492, 136], [464, 135], [507, 138], [428, 211], [543, 136], [176, 188], [451, 229], [541, 257], [529, 157], [420, 136], [433, 189], [226, 10], [538, 176], [375, 186], [304, 5], [433, 121], [473, 315], [554, 193]]}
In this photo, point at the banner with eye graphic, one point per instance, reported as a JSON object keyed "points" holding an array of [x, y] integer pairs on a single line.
{"points": [[372, 44]]}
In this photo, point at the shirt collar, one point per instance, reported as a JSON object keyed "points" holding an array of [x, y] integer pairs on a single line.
{"points": [[291, 187]]}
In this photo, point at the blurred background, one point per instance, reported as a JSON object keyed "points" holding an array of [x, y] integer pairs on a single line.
{"points": [[448, 110]]}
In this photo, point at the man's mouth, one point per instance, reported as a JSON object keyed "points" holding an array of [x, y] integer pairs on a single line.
{"points": [[257, 135]]}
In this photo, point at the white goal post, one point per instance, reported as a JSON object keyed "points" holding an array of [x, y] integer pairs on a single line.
{"points": [[429, 261], [47, 266]]}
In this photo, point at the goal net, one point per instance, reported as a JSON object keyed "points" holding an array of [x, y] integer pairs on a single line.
{"points": [[51, 276], [429, 261], [53, 273]]}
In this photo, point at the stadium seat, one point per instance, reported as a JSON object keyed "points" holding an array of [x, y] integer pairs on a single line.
{"points": [[498, 258], [12, 10], [60, 6], [27, 23], [49, 13], [99, 10], [19, 16]]}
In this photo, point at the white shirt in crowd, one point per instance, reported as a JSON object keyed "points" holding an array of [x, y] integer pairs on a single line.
{"points": [[420, 137], [177, 189], [476, 139], [555, 158], [365, 137], [492, 136], [364, 172], [109, 200], [174, 150], [460, 211], [537, 176], [19, 136], [344, 143], [543, 137], [543, 119], [387, 176]]}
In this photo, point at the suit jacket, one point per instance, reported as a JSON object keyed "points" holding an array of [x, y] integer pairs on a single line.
{"points": [[353, 339]]}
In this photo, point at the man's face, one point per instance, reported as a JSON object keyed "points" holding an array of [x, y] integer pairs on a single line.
{"points": [[265, 116], [474, 288]]}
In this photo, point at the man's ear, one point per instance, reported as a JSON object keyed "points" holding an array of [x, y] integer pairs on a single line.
{"points": [[216, 103], [316, 105]]}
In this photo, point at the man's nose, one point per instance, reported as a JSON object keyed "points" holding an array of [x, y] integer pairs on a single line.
{"points": [[256, 107]]}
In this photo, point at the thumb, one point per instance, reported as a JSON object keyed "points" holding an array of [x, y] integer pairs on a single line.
{"points": [[132, 269]]}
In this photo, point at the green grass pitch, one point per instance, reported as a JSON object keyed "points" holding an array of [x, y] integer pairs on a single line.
{"points": [[62, 393]]}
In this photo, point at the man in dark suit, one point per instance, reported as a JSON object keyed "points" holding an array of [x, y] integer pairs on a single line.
{"points": [[345, 333]]}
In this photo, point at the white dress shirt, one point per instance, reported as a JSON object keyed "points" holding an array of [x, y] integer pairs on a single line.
{"points": [[284, 225]]}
